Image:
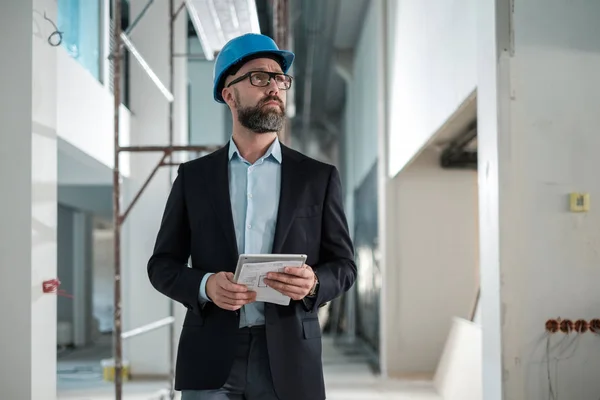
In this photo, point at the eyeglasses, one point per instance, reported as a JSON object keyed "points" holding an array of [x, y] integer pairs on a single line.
{"points": [[263, 78]]}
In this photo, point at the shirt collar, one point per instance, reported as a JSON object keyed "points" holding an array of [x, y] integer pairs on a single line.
{"points": [[274, 150]]}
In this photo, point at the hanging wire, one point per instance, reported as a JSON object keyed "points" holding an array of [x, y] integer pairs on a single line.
{"points": [[56, 37]]}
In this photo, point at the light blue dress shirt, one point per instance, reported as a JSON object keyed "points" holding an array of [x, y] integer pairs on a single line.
{"points": [[254, 192]]}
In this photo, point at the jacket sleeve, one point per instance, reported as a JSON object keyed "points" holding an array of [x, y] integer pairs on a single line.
{"points": [[168, 268], [336, 270]]}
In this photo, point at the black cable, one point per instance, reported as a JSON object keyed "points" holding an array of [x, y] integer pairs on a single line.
{"points": [[551, 395], [54, 34]]}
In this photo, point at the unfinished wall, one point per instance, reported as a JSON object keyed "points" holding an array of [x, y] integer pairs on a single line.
{"points": [[538, 138], [432, 71], [431, 275]]}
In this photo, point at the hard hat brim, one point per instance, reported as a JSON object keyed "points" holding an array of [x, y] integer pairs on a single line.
{"points": [[287, 59]]}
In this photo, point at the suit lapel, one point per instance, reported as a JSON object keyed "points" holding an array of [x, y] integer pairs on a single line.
{"points": [[221, 199], [291, 186]]}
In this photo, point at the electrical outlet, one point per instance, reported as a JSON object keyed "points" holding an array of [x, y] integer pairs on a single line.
{"points": [[566, 326], [580, 202], [581, 326], [594, 325], [552, 326]]}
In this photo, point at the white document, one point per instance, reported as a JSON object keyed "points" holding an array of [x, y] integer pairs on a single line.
{"points": [[253, 275]]}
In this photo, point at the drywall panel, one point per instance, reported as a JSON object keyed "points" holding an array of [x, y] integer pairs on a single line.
{"points": [[432, 71], [458, 376]]}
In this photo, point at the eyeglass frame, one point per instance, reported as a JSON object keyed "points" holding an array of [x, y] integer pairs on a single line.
{"points": [[248, 75]]}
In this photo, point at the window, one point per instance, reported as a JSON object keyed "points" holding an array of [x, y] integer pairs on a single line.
{"points": [[79, 20]]}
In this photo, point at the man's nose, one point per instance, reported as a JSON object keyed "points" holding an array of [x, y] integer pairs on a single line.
{"points": [[272, 88]]}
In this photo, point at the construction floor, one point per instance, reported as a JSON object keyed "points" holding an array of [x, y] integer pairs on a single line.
{"points": [[347, 375]]}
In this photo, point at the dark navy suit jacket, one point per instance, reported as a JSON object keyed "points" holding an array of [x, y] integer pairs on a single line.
{"points": [[197, 222]]}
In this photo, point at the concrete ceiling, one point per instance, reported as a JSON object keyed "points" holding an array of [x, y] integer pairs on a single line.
{"points": [[78, 168], [323, 28]]}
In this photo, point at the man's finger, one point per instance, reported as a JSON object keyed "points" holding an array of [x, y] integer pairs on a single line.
{"points": [[233, 287], [282, 287], [235, 302], [238, 296], [303, 272], [287, 279]]}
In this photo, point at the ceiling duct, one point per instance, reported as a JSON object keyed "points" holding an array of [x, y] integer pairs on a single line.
{"points": [[461, 153]]}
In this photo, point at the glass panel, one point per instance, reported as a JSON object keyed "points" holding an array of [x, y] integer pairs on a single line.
{"points": [[79, 20], [366, 242]]}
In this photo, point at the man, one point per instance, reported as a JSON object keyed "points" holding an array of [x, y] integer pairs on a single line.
{"points": [[252, 196]]}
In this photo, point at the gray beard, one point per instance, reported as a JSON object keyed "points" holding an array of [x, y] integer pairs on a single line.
{"points": [[258, 120]]}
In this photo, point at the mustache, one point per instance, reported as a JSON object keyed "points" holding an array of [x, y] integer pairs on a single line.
{"points": [[272, 98]]}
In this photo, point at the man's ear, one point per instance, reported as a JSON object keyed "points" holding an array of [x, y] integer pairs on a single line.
{"points": [[227, 95]]}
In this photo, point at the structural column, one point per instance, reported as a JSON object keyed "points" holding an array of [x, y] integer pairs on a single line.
{"points": [[538, 96], [28, 200]]}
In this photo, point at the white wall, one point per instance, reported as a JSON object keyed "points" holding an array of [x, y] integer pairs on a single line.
{"points": [[538, 139], [431, 275], [85, 112], [433, 70], [28, 212], [207, 117], [460, 364], [142, 303]]}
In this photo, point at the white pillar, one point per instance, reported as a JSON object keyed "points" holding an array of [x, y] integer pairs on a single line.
{"points": [[28, 205], [538, 96]]}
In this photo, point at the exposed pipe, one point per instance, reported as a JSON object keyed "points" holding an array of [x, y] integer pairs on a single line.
{"points": [[119, 38], [311, 35], [148, 328], [330, 50], [118, 351], [172, 17], [455, 155]]}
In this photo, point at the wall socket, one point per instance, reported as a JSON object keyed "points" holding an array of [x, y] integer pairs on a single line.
{"points": [[579, 202]]}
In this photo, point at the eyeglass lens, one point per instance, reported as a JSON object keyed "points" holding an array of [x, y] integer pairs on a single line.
{"points": [[262, 79]]}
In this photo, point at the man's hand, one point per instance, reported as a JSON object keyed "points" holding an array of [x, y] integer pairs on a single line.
{"points": [[294, 282], [226, 294]]}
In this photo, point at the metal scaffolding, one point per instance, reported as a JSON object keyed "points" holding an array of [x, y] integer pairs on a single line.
{"points": [[121, 39]]}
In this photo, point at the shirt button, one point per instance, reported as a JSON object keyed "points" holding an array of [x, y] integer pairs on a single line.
{"points": [[249, 226], [249, 195]]}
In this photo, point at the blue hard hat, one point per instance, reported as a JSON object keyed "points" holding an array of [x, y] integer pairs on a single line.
{"points": [[242, 48]]}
